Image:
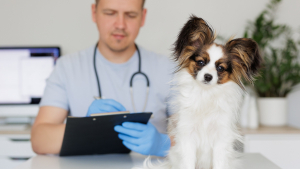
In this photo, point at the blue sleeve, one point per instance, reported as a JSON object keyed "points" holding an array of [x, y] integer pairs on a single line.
{"points": [[55, 93]]}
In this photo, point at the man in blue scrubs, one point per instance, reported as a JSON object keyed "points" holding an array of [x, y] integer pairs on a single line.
{"points": [[73, 85]]}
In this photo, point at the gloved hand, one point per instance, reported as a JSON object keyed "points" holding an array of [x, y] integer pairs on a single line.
{"points": [[143, 138], [104, 106]]}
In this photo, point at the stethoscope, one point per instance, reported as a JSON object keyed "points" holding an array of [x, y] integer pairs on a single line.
{"points": [[131, 79]]}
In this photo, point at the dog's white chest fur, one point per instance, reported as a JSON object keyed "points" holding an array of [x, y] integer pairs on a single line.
{"points": [[205, 124]]}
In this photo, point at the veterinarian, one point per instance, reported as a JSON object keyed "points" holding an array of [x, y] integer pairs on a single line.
{"points": [[105, 70]]}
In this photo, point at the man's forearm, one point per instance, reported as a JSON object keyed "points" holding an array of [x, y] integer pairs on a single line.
{"points": [[47, 138]]}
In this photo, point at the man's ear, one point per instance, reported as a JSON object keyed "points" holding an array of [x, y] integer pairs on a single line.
{"points": [[194, 35], [144, 14], [94, 8], [246, 58]]}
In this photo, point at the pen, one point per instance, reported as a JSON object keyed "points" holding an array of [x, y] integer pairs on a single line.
{"points": [[97, 97]]}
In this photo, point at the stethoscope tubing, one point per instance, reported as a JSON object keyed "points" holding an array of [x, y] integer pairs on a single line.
{"points": [[131, 79], [96, 73]]}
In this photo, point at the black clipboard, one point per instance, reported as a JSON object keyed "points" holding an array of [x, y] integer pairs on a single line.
{"points": [[96, 135]]}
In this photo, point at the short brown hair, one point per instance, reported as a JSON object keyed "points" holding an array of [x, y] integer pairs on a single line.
{"points": [[97, 1]]}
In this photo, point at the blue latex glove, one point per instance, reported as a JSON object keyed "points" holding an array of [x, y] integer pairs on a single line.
{"points": [[143, 138], [104, 106]]}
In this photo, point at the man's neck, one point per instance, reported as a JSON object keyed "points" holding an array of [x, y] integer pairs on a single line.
{"points": [[116, 56]]}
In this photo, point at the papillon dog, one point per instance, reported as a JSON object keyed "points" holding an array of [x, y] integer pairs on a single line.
{"points": [[208, 94]]}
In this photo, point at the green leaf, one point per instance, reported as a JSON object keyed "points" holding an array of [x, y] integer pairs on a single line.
{"points": [[281, 70]]}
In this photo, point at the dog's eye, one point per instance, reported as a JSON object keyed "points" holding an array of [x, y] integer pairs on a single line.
{"points": [[201, 63], [220, 69]]}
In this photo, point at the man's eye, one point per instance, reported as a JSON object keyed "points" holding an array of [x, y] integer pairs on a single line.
{"points": [[109, 13], [220, 68], [201, 63], [131, 15]]}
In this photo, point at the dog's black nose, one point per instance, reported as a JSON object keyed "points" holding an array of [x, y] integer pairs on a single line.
{"points": [[208, 77]]}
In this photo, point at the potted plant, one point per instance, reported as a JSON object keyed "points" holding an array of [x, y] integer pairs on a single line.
{"points": [[281, 69]]}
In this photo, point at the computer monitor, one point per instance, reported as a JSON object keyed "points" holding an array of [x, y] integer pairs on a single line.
{"points": [[23, 73]]}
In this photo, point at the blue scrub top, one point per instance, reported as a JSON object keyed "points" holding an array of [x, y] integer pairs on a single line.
{"points": [[73, 85]]}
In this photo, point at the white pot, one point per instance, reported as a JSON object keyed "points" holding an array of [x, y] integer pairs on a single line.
{"points": [[273, 111]]}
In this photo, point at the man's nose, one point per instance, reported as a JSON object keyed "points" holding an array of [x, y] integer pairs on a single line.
{"points": [[120, 22]]}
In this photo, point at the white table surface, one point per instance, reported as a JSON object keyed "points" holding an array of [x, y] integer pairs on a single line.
{"points": [[120, 161]]}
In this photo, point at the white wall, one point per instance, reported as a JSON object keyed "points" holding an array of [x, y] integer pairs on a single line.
{"points": [[68, 23]]}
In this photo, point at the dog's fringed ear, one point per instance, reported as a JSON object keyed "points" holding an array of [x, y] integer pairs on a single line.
{"points": [[194, 35], [246, 59]]}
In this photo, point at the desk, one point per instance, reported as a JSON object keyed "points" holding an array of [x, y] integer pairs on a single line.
{"points": [[120, 161]]}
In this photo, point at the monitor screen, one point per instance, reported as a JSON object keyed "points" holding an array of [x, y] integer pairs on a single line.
{"points": [[23, 73]]}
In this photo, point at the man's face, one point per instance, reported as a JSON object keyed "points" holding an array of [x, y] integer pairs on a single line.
{"points": [[118, 22]]}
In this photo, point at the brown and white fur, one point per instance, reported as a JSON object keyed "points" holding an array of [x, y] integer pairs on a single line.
{"points": [[208, 95]]}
